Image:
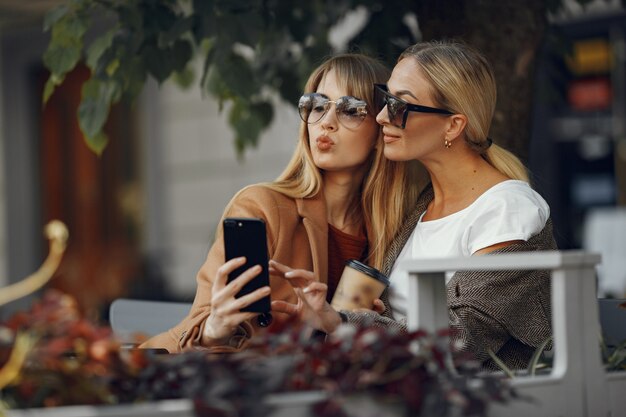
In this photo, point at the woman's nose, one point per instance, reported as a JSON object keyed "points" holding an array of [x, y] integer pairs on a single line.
{"points": [[382, 117], [329, 120]]}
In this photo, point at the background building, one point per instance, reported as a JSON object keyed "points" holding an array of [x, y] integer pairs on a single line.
{"points": [[143, 216]]}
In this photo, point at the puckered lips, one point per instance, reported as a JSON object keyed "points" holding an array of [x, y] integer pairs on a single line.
{"points": [[324, 143]]}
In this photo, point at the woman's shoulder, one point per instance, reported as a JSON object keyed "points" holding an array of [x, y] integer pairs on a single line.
{"points": [[259, 200], [262, 194], [512, 194], [510, 210]]}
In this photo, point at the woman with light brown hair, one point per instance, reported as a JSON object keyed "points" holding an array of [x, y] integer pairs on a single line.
{"points": [[337, 199], [437, 109]]}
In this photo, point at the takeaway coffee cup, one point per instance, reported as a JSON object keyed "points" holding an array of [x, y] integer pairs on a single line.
{"points": [[358, 286]]}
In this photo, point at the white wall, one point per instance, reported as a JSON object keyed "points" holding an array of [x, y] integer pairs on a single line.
{"points": [[200, 173]]}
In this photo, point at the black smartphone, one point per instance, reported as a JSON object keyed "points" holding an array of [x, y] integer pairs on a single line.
{"points": [[246, 237]]}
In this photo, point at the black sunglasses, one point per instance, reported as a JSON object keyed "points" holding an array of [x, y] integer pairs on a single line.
{"points": [[398, 109], [351, 111]]}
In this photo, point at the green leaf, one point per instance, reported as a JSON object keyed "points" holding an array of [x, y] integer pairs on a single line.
{"points": [[209, 46], [97, 143], [135, 77], [54, 15], [238, 6], [61, 59], [179, 28], [248, 121], [243, 28], [48, 90], [112, 67], [97, 48], [158, 62], [70, 29], [51, 83], [264, 111], [237, 75], [94, 106], [215, 86], [180, 54], [158, 16], [184, 79]]}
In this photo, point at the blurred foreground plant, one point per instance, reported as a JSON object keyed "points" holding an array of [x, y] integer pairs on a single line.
{"points": [[73, 361], [51, 355]]}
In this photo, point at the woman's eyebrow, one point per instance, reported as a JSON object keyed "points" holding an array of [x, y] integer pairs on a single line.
{"points": [[406, 93]]}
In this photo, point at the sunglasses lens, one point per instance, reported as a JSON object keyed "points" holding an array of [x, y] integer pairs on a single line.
{"points": [[312, 107], [395, 106], [395, 109], [351, 111]]}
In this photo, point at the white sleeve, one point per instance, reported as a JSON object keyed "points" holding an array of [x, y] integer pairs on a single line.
{"points": [[505, 216]]}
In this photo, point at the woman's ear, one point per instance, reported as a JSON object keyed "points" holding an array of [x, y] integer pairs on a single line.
{"points": [[456, 126]]}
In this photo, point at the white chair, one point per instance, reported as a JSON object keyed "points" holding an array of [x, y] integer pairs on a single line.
{"points": [[578, 386], [130, 317]]}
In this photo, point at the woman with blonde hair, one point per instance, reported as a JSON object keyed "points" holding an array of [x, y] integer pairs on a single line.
{"points": [[437, 108], [337, 199]]}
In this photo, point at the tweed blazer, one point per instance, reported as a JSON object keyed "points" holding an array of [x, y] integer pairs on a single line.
{"points": [[297, 235], [505, 311]]}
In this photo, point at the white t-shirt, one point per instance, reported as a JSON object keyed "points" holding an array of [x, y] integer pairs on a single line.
{"points": [[510, 210]]}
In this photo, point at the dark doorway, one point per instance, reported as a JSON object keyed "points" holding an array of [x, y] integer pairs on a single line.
{"points": [[98, 197]]}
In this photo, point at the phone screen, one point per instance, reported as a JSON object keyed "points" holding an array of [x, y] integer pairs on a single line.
{"points": [[247, 237]]}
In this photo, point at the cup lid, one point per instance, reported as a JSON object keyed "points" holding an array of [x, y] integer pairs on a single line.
{"points": [[368, 270]]}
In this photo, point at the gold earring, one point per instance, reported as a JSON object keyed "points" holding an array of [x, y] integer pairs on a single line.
{"points": [[447, 143]]}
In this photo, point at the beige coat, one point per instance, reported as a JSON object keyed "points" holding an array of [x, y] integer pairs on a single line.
{"points": [[297, 235]]}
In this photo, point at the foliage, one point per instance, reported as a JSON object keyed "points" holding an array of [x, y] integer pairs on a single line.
{"points": [[76, 362], [251, 50]]}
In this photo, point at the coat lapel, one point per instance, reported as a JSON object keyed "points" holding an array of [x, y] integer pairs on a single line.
{"points": [[313, 213]]}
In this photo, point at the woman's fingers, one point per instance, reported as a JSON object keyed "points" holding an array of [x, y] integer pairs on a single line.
{"points": [[223, 271], [379, 306], [315, 287], [280, 306], [246, 300], [233, 287], [300, 278], [279, 268]]}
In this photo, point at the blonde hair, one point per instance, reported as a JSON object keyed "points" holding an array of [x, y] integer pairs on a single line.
{"points": [[389, 189], [463, 82]]}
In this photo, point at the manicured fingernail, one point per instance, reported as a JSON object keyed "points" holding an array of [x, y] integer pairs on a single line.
{"points": [[289, 274]]}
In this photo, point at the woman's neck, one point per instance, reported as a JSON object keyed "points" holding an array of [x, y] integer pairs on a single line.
{"points": [[342, 194], [458, 182]]}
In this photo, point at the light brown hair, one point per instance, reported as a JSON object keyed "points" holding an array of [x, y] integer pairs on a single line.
{"points": [[389, 189], [463, 82]]}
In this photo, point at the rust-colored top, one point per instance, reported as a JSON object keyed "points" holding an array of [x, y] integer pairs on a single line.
{"points": [[342, 247]]}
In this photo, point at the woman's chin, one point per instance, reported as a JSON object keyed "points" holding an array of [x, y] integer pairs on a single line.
{"points": [[394, 153]]}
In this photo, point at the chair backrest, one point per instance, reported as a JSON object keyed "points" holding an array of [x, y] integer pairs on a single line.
{"points": [[612, 320], [130, 317]]}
